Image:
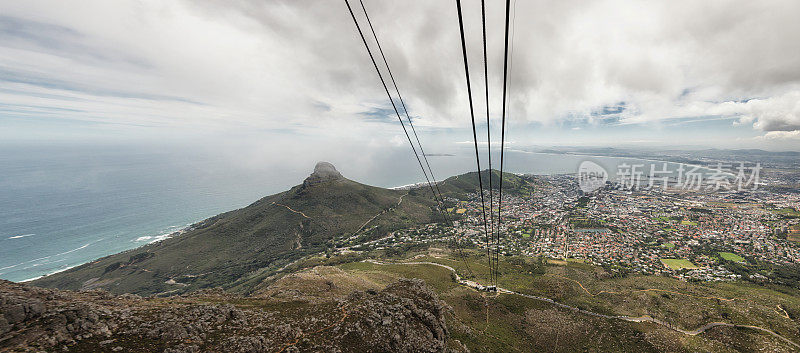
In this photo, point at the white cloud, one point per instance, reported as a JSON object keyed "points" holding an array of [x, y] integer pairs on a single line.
{"points": [[300, 64], [775, 114], [782, 135]]}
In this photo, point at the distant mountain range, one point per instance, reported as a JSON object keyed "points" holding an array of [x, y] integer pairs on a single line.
{"points": [[782, 159]]}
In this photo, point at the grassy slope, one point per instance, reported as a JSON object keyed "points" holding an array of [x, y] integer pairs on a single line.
{"points": [[240, 248], [520, 324], [677, 264], [731, 256], [259, 238], [513, 184]]}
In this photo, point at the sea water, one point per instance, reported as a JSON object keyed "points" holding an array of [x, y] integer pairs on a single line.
{"points": [[62, 206]]}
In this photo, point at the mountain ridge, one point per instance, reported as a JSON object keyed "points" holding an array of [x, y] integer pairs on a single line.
{"points": [[240, 248], [270, 232]]}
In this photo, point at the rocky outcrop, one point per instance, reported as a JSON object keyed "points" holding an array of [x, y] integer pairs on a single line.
{"points": [[404, 317], [323, 172], [46, 318]]}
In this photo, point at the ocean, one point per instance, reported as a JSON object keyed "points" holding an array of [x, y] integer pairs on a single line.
{"points": [[62, 206]]}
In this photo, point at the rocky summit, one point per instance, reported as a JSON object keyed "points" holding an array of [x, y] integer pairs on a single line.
{"points": [[323, 172]]}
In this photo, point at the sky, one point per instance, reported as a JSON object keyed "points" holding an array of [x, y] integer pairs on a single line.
{"points": [[293, 77]]}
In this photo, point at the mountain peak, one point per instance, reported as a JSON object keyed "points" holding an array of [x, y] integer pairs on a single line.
{"points": [[323, 172]]}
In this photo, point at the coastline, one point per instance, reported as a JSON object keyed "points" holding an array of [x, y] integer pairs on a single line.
{"points": [[167, 233], [152, 239]]}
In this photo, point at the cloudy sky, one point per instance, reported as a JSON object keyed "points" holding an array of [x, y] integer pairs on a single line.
{"points": [[294, 74]]}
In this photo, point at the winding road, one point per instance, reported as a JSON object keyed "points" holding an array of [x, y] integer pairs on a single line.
{"points": [[291, 209], [645, 318], [355, 234], [378, 214]]}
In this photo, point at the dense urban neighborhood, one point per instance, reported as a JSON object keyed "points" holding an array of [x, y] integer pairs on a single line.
{"points": [[707, 235]]}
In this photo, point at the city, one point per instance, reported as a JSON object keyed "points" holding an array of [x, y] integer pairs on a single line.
{"points": [[685, 234]]}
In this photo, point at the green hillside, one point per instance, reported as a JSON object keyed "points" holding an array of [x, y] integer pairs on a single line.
{"points": [[509, 322], [513, 184], [245, 245]]}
